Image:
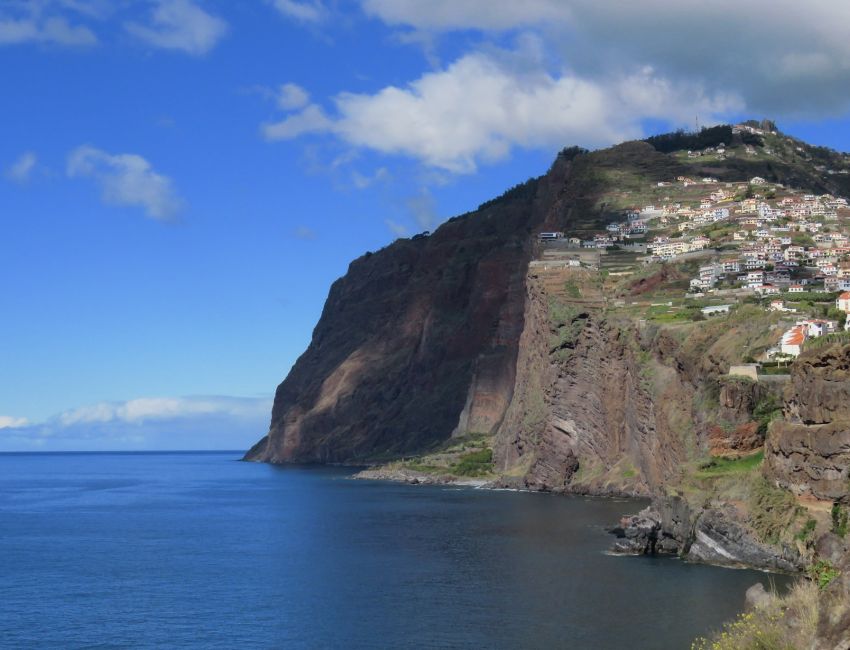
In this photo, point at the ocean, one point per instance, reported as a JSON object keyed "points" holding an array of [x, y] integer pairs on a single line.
{"points": [[198, 550]]}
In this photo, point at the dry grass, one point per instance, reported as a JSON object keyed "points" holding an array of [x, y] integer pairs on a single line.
{"points": [[784, 623]]}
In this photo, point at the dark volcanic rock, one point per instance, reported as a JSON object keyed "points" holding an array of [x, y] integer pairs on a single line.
{"points": [[720, 539], [663, 528], [713, 535], [638, 534]]}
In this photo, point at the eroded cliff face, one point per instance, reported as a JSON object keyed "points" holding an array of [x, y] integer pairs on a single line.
{"points": [[605, 404], [582, 418], [411, 338], [808, 451], [418, 341], [458, 333]]}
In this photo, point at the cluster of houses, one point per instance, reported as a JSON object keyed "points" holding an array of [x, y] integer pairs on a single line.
{"points": [[767, 256], [665, 249], [767, 259]]}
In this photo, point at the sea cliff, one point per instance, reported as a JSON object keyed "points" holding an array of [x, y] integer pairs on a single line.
{"points": [[482, 353]]}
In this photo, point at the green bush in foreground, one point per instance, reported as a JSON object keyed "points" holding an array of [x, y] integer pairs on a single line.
{"points": [[823, 573], [718, 466]]}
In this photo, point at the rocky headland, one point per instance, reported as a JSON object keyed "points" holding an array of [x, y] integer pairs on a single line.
{"points": [[481, 355]]}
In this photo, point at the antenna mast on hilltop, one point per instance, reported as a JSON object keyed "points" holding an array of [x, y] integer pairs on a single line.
{"points": [[697, 124]]}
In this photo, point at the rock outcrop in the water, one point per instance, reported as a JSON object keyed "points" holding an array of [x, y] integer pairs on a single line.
{"points": [[808, 451], [713, 535]]}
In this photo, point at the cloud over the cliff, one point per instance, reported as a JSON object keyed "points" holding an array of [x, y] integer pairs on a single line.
{"points": [[585, 72], [159, 423], [483, 105], [779, 56]]}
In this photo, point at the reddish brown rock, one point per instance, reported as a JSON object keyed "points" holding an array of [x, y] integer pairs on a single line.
{"points": [[742, 439], [808, 452]]}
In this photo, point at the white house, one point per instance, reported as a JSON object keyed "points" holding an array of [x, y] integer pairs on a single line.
{"points": [[843, 302], [716, 310], [755, 279], [767, 290]]}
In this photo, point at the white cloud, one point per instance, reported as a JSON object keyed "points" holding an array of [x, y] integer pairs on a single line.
{"points": [[35, 28], [468, 14], [482, 106], [310, 120], [126, 179], [782, 57], [292, 96], [9, 422], [205, 422], [308, 11], [143, 409], [180, 25], [21, 170]]}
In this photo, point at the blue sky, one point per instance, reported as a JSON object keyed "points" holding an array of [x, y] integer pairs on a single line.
{"points": [[181, 181]]}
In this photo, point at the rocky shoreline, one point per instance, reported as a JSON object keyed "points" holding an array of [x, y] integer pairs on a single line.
{"points": [[412, 477], [668, 526]]}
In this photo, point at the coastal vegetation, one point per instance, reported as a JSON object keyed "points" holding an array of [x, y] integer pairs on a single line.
{"points": [[769, 626], [725, 466]]}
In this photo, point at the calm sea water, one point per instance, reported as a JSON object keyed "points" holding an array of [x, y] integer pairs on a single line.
{"points": [[202, 551]]}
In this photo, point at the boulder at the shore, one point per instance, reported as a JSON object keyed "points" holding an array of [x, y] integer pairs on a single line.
{"points": [[663, 527]]}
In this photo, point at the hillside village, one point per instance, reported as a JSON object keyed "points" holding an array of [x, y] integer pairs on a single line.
{"points": [[755, 241]]}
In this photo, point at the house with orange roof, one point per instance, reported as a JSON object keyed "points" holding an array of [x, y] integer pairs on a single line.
{"points": [[792, 341]]}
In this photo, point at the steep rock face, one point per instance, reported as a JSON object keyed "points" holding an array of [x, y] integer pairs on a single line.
{"points": [[808, 452], [582, 417], [417, 341], [738, 398], [735, 432]]}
